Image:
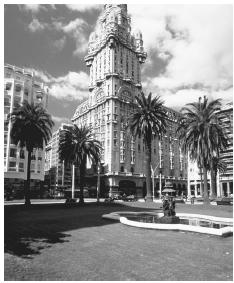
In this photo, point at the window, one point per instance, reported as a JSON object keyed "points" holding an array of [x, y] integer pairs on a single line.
{"points": [[8, 86], [38, 168], [5, 138], [22, 154], [32, 168], [21, 167], [5, 151], [6, 126], [122, 169], [12, 166], [26, 92], [17, 88], [33, 157], [13, 152]]}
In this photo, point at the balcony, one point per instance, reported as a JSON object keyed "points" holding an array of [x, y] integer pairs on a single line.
{"points": [[29, 75], [99, 81], [138, 85], [127, 79], [91, 87]]}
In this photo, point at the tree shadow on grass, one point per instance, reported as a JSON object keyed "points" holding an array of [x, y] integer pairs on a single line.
{"points": [[28, 231]]}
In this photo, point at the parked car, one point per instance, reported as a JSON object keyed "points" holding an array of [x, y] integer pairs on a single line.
{"points": [[224, 201]]}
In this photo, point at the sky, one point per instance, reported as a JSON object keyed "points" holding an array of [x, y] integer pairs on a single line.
{"points": [[189, 47]]}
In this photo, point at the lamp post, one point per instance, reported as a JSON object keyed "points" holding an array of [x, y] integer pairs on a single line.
{"points": [[160, 184], [73, 181], [98, 181]]}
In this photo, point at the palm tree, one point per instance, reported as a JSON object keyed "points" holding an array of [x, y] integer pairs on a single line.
{"points": [[76, 145], [31, 128], [148, 120], [201, 135]]}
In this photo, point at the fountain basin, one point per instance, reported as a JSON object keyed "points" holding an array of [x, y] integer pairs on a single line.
{"points": [[189, 222]]}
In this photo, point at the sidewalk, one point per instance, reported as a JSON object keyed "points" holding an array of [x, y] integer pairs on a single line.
{"points": [[47, 201]]}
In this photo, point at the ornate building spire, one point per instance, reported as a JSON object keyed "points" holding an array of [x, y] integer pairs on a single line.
{"points": [[114, 24]]}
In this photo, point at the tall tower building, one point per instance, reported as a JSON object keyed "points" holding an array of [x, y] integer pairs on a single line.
{"points": [[115, 56], [57, 174], [20, 84]]}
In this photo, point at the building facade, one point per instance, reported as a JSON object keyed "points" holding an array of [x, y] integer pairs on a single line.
{"points": [[19, 85], [224, 179], [57, 175], [115, 56]]}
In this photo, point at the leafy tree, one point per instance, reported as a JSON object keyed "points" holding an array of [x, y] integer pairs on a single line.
{"points": [[31, 127], [201, 135], [76, 145], [147, 121]]}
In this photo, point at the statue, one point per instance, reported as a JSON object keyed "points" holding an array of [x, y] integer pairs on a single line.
{"points": [[169, 211]]}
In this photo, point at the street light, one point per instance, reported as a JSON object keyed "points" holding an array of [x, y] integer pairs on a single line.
{"points": [[98, 181]]}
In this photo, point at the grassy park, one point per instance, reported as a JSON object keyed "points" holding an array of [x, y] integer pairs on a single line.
{"points": [[54, 242]]}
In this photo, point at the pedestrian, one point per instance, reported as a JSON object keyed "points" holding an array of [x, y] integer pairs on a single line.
{"points": [[192, 200]]}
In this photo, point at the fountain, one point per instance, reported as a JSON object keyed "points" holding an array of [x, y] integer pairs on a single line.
{"points": [[169, 211], [169, 206], [167, 219]]}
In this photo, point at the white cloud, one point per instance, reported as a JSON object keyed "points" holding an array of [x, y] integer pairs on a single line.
{"points": [[34, 8], [45, 77], [72, 86], [83, 7], [79, 80], [77, 30], [194, 41], [61, 119], [67, 91], [36, 26], [59, 44]]}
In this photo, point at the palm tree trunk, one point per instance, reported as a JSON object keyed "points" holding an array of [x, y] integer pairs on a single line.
{"points": [[27, 184], [212, 180], [206, 196], [201, 180], [82, 175], [149, 197]]}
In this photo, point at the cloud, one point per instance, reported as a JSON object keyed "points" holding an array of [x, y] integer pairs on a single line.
{"points": [[36, 26], [84, 7], [34, 8], [194, 46], [58, 45], [77, 30], [72, 86], [61, 119], [42, 75]]}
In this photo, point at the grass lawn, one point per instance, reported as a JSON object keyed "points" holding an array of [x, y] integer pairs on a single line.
{"points": [[52, 242]]}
